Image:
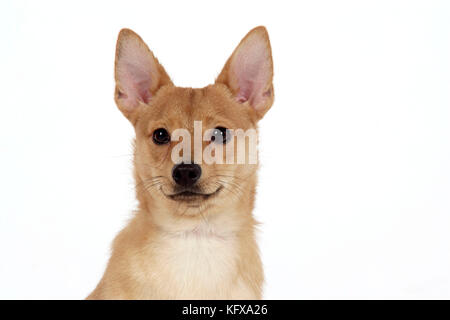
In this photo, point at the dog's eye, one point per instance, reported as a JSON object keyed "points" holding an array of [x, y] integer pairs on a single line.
{"points": [[161, 136], [220, 135]]}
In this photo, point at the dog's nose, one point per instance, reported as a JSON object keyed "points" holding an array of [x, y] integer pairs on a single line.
{"points": [[186, 174]]}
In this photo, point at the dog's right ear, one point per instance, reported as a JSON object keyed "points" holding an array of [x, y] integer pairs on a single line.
{"points": [[138, 74]]}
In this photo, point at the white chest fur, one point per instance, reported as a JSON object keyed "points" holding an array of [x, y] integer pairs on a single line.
{"points": [[196, 264]]}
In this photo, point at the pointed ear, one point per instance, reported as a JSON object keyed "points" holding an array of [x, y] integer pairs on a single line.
{"points": [[138, 74], [248, 72]]}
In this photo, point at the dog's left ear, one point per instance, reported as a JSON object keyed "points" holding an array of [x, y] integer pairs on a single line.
{"points": [[248, 72]]}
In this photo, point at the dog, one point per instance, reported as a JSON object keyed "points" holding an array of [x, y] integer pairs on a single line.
{"points": [[193, 233]]}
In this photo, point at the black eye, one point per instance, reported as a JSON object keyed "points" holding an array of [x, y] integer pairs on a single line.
{"points": [[220, 135], [161, 136]]}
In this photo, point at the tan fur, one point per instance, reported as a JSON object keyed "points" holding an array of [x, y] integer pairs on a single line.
{"points": [[174, 250]]}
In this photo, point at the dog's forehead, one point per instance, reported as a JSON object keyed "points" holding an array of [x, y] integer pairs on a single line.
{"points": [[180, 107]]}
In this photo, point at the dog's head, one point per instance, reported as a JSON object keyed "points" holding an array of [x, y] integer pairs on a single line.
{"points": [[187, 154]]}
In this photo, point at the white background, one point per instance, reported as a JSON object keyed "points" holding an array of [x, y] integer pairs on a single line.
{"points": [[354, 193]]}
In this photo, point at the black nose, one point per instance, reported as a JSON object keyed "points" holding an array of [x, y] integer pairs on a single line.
{"points": [[186, 174]]}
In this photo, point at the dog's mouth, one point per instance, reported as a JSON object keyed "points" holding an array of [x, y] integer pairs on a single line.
{"points": [[192, 195]]}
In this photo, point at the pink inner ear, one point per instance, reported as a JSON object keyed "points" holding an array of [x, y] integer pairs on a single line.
{"points": [[252, 71], [245, 91], [136, 83], [135, 68]]}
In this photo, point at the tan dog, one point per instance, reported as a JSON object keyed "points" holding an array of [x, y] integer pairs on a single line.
{"points": [[193, 235]]}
